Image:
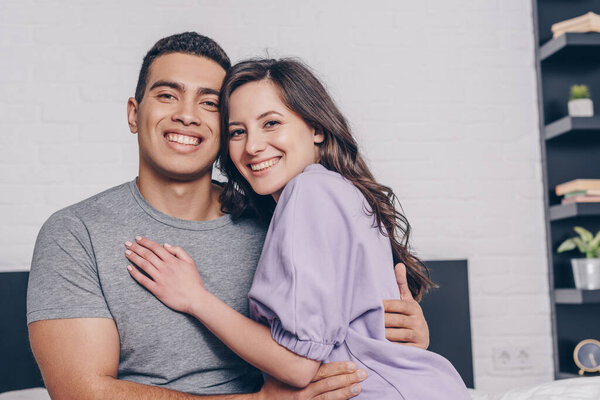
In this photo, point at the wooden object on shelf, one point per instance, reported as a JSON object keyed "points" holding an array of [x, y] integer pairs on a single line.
{"points": [[589, 22], [577, 184], [581, 199]]}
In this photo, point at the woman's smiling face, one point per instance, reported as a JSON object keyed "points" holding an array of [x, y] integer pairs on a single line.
{"points": [[269, 143]]}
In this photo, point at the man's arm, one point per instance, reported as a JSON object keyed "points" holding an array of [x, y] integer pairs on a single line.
{"points": [[404, 319], [79, 359]]}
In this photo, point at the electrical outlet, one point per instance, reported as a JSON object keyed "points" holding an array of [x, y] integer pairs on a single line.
{"points": [[512, 358]]}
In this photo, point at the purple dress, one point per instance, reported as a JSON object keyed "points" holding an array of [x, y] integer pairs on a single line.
{"points": [[323, 273]]}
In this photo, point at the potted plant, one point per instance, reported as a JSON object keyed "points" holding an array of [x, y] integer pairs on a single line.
{"points": [[580, 102], [586, 271]]}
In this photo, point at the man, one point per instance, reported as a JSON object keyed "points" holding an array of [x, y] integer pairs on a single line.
{"points": [[95, 332]]}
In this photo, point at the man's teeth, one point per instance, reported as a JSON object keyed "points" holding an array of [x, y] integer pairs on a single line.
{"points": [[183, 139], [263, 165]]}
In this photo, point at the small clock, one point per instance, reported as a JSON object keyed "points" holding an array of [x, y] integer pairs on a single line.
{"points": [[587, 356]]}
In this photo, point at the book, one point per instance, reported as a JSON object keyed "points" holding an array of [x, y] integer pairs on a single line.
{"points": [[591, 192], [589, 22], [577, 185], [581, 199]]}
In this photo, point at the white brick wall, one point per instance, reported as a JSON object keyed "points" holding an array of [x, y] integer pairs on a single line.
{"points": [[441, 95]]}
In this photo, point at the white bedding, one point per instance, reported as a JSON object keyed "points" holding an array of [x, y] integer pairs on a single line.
{"points": [[567, 389]]}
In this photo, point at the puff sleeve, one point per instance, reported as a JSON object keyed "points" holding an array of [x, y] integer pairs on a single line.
{"points": [[303, 287]]}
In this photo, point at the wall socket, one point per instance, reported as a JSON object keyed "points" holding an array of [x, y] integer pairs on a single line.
{"points": [[512, 358]]}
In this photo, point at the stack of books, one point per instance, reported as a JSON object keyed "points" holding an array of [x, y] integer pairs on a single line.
{"points": [[589, 22], [579, 191]]}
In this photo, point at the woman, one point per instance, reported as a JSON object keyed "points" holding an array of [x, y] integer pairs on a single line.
{"points": [[290, 158]]}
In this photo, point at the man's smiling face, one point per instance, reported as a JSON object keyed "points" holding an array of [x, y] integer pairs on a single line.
{"points": [[177, 121]]}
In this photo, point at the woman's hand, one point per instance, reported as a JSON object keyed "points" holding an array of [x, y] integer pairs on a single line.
{"points": [[174, 277]]}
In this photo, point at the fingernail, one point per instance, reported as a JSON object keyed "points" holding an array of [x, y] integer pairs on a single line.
{"points": [[128, 252], [138, 238], [129, 268], [355, 389], [128, 244], [350, 366], [167, 245], [361, 374]]}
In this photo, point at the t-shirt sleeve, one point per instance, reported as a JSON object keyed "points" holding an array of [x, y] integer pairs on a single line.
{"points": [[304, 280], [63, 281]]}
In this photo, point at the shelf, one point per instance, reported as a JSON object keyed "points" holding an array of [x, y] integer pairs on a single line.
{"points": [[566, 375], [576, 296], [563, 211], [571, 125], [572, 44]]}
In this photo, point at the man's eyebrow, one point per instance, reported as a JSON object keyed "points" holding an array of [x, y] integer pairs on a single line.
{"points": [[171, 84], [181, 87], [259, 117]]}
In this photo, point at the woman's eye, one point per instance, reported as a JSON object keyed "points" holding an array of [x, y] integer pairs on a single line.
{"points": [[236, 132], [271, 124]]}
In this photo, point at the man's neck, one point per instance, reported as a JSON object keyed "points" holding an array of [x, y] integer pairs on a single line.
{"points": [[196, 200]]}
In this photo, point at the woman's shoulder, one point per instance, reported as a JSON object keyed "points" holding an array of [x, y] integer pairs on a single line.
{"points": [[322, 186]]}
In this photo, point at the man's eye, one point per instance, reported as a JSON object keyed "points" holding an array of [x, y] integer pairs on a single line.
{"points": [[210, 104], [166, 96], [271, 124]]}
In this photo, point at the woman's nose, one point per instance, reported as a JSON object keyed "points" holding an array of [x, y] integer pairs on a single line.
{"points": [[255, 143]]}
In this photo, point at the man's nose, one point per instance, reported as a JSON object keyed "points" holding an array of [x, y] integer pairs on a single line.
{"points": [[187, 113]]}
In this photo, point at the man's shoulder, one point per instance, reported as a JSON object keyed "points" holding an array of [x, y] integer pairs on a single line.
{"points": [[92, 207]]}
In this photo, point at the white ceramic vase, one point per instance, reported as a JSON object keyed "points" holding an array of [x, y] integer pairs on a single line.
{"points": [[586, 272], [581, 108]]}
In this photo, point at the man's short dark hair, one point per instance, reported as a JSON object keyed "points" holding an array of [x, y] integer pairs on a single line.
{"points": [[188, 43]]}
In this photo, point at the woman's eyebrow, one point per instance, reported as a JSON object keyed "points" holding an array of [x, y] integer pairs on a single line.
{"points": [[267, 113]]}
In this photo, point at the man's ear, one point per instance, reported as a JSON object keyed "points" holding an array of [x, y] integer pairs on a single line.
{"points": [[132, 112], [318, 136]]}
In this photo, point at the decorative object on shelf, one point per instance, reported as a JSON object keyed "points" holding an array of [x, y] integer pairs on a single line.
{"points": [[589, 22], [580, 102], [586, 271], [579, 191], [587, 356]]}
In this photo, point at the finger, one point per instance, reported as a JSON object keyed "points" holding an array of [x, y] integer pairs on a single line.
{"points": [[144, 264], [400, 271], [144, 253], [338, 387], [154, 247], [341, 394], [333, 369], [178, 252], [141, 278], [400, 307], [400, 335], [393, 320]]}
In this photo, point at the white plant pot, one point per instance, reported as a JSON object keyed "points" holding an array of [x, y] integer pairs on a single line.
{"points": [[586, 272], [581, 108]]}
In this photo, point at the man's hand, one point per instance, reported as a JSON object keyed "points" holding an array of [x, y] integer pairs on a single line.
{"points": [[333, 381], [404, 320]]}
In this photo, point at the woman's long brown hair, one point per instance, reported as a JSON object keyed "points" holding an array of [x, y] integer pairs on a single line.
{"points": [[302, 93]]}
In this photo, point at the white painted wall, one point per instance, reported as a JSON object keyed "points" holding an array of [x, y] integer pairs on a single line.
{"points": [[441, 94]]}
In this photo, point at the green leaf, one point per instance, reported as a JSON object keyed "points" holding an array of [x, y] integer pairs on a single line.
{"points": [[586, 235], [595, 244], [581, 245], [567, 245]]}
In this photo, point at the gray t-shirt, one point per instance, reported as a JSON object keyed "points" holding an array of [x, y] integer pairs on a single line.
{"points": [[79, 271]]}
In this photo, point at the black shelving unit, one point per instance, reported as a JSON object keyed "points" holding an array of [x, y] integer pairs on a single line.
{"points": [[570, 150]]}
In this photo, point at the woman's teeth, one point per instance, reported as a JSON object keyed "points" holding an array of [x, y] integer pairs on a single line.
{"points": [[263, 165], [182, 139]]}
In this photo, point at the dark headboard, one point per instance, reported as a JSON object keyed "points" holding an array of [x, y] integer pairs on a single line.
{"points": [[18, 369], [447, 312]]}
